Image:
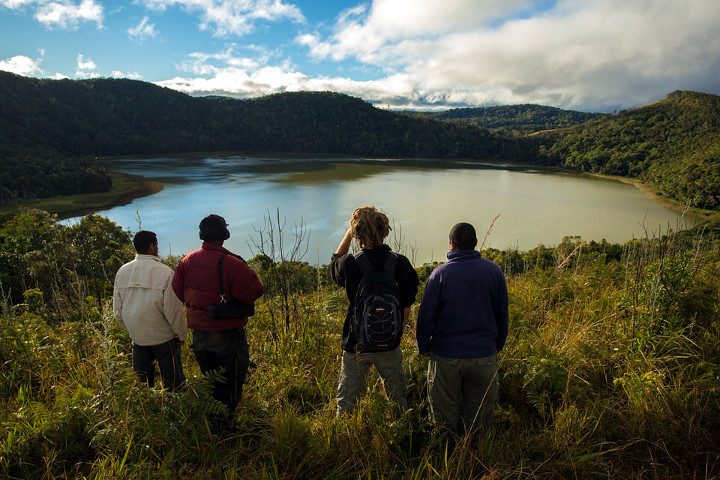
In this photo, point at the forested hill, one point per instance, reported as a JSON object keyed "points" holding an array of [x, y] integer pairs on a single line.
{"points": [[122, 117], [518, 119], [674, 145]]}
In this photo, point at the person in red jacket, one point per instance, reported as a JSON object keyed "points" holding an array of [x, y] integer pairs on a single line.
{"points": [[218, 344]]}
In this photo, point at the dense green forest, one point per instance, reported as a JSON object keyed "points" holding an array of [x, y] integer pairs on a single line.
{"points": [[125, 117], [611, 370], [37, 173], [674, 145], [518, 119]]}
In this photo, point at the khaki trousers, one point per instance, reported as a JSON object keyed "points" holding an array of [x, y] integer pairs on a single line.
{"points": [[470, 384], [353, 378]]}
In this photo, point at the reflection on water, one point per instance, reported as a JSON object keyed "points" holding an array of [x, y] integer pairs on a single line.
{"points": [[423, 199]]}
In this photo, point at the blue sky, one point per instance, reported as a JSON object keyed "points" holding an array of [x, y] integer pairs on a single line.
{"points": [[591, 55]]}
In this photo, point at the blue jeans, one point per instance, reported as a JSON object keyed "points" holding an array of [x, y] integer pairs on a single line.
{"points": [[167, 357], [467, 383], [226, 351], [353, 377]]}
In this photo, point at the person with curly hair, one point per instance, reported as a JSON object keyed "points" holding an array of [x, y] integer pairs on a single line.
{"points": [[370, 227]]}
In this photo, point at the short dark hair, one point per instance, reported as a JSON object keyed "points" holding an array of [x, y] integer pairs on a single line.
{"points": [[143, 239], [463, 236]]}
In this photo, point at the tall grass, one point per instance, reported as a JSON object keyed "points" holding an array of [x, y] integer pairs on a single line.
{"points": [[611, 369]]}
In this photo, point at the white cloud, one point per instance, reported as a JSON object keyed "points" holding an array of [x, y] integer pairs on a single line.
{"points": [[86, 67], [16, 3], [577, 53], [142, 31], [225, 73], [361, 32], [66, 14], [231, 17], [60, 13], [21, 65], [219, 63], [130, 75]]}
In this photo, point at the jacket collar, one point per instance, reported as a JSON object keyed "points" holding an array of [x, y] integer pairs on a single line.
{"points": [[214, 246], [461, 254], [143, 256], [380, 248], [217, 248]]}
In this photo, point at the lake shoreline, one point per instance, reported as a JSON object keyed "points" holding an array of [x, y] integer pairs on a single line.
{"points": [[539, 205], [144, 186], [659, 199], [126, 188], [129, 187]]}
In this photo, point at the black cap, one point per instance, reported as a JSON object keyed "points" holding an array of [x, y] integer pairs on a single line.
{"points": [[213, 228]]}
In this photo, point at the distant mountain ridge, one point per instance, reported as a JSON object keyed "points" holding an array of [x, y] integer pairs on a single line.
{"points": [[518, 119]]}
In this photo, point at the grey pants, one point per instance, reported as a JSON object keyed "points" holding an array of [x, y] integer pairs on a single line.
{"points": [[354, 372], [467, 383]]}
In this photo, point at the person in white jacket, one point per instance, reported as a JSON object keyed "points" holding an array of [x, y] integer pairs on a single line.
{"points": [[145, 304]]}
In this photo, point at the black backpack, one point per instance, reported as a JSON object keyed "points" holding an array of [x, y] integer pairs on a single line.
{"points": [[377, 315]]}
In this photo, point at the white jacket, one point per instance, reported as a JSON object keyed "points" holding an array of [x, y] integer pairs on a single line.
{"points": [[145, 304]]}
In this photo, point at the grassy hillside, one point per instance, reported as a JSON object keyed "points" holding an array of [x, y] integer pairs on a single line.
{"points": [[610, 371], [674, 145]]}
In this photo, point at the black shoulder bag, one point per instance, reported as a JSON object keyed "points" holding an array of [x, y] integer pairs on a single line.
{"points": [[225, 309]]}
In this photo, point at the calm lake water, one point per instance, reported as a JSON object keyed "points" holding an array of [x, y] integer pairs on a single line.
{"points": [[422, 198]]}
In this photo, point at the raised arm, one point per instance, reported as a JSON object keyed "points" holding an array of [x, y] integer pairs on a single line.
{"points": [[344, 246]]}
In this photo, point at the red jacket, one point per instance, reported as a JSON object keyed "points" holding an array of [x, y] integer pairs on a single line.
{"points": [[196, 284]]}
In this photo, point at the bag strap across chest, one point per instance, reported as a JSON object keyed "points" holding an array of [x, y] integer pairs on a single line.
{"points": [[220, 277]]}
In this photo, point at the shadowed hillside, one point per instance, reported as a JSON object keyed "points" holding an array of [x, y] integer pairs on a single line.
{"points": [[124, 117], [674, 145]]}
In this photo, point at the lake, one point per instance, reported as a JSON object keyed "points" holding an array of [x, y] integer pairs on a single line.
{"points": [[423, 199]]}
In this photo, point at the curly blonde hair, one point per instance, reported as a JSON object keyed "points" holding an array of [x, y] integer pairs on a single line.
{"points": [[369, 226]]}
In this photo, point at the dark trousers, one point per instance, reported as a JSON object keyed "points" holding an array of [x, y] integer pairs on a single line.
{"points": [[167, 357], [226, 352]]}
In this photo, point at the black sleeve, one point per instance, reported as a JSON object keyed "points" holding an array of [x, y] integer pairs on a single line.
{"points": [[345, 272], [408, 281], [337, 269]]}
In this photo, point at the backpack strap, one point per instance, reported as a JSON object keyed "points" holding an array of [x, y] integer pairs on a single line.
{"points": [[220, 277], [366, 267], [390, 263]]}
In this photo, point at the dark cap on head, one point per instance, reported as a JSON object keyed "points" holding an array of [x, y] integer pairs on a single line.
{"points": [[213, 228], [463, 236]]}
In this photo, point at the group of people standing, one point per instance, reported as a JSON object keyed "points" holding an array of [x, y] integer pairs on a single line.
{"points": [[461, 326]]}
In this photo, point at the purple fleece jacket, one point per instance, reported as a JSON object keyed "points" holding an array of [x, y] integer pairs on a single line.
{"points": [[464, 310]]}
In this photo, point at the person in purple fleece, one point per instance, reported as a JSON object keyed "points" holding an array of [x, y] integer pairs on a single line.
{"points": [[462, 325]]}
